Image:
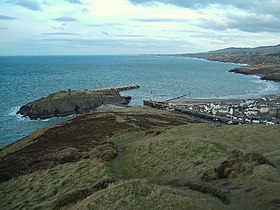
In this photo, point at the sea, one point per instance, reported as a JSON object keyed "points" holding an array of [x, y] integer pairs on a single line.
{"points": [[26, 78]]}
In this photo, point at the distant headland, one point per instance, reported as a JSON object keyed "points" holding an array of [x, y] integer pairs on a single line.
{"points": [[262, 61]]}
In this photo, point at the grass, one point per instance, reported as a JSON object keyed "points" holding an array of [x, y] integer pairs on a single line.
{"points": [[140, 194], [159, 160], [171, 154], [41, 188], [182, 154]]}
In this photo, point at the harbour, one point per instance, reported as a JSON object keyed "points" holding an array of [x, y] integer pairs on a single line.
{"points": [[263, 110]]}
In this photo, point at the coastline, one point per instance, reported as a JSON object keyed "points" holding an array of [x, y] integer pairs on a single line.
{"points": [[244, 68], [248, 69], [261, 61], [31, 125], [259, 110]]}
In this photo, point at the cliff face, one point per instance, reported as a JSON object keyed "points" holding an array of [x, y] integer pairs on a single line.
{"points": [[71, 102]]}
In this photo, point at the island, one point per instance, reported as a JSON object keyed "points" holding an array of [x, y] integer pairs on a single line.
{"points": [[261, 61], [70, 102]]}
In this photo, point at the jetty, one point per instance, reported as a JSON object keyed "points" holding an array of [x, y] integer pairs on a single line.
{"points": [[121, 88]]}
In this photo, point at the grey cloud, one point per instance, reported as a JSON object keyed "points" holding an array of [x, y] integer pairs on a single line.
{"points": [[247, 23], [74, 1], [153, 20], [61, 33], [58, 28], [140, 42], [105, 33], [261, 6], [85, 10], [46, 3], [104, 25], [130, 36], [65, 19], [193, 3], [254, 23], [4, 17], [28, 4]]}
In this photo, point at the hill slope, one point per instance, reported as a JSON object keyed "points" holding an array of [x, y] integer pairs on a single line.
{"points": [[141, 158]]}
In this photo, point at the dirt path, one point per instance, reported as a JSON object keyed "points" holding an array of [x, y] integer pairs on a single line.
{"points": [[115, 164]]}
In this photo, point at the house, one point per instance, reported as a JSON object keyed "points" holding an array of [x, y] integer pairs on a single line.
{"points": [[264, 109], [252, 111]]}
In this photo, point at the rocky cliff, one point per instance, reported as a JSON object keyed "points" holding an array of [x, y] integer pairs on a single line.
{"points": [[71, 102]]}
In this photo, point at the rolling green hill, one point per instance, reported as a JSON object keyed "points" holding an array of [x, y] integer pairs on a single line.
{"points": [[141, 158]]}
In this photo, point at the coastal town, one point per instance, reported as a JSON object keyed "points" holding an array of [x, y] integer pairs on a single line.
{"points": [[264, 110]]}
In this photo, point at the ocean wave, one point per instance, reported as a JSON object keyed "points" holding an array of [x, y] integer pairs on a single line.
{"points": [[270, 87], [13, 111], [56, 118]]}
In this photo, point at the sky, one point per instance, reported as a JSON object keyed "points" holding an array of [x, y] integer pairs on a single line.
{"points": [[113, 27]]}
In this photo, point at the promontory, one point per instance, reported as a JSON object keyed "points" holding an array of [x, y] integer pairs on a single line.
{"points": [[262, 61], [69, 102]]}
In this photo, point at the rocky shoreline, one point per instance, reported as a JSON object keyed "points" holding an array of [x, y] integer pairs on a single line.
{"points": [[265, 72]]}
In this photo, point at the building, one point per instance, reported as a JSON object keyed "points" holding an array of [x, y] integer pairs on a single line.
{"points": [[264, 109]]}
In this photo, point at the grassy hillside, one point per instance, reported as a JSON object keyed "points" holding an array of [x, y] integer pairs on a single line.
{"points": [[252, 56], [141, 158]]}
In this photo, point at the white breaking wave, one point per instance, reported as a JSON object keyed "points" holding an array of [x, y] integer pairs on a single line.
{"points": [[13, 111]]}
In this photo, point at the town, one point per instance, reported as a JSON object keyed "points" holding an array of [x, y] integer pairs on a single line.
{"points": [[265, 110]]}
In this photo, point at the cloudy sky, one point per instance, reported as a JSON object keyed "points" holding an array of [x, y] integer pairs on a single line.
{"points": [[76, 27]]}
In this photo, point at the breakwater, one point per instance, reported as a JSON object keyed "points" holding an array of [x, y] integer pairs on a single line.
{"points": [[121, 88]]}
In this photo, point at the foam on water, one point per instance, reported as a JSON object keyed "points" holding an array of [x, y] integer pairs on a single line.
{"points": [[13, 111]]}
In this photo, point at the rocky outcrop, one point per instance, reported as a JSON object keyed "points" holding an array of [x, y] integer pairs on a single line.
{"points": [[69, 102], [237, 164], [266, 72]]}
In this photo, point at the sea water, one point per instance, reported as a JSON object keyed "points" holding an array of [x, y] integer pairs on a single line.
{"points": [[24, 79]]}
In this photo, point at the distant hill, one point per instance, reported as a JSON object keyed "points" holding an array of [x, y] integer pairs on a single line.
{"points": [[263, 61]]}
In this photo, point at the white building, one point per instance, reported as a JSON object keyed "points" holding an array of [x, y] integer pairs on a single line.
{"points": [[264, 109]]}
